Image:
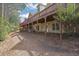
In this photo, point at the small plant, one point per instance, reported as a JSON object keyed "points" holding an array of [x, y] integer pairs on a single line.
{"points": [[2, 29], [7, 26]]}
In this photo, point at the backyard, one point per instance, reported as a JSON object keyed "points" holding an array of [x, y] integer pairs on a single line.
{"points": [[53, 31]]}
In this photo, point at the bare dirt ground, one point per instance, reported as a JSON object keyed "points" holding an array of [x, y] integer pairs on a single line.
{"points": [[38, 44]]}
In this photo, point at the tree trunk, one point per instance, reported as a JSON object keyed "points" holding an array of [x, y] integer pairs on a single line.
{"points": [[60, 30]]}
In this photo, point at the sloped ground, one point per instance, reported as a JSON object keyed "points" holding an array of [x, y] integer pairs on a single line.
{"points": [[9, 43], [39, 44]]}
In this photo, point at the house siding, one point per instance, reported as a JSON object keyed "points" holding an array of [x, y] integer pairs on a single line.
{"points": [[49, 27]]}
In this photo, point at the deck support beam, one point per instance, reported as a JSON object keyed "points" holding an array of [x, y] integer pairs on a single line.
{"points": [[45, 27], [38, 26], [32, 27], [28, 27]]}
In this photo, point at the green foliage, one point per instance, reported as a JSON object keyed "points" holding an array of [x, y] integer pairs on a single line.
{"points": [[23, 6], [68, 14], [61, 13], [14, 22], [3, 28], [7, 26]]}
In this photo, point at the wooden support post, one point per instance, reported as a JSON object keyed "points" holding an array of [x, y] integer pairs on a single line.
{"points": [[28, 27], [38, 26], [45, 27], [32, 26], [61, 33]]}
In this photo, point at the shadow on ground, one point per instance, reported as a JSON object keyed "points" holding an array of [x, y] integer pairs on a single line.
{"points": [[47, 44]]}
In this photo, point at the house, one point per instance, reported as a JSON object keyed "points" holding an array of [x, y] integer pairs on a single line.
{"points": [[44, 21], [23, 25]]}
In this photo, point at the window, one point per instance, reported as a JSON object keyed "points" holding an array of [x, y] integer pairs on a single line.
{"points": [[53, 26], [57, 26]]}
